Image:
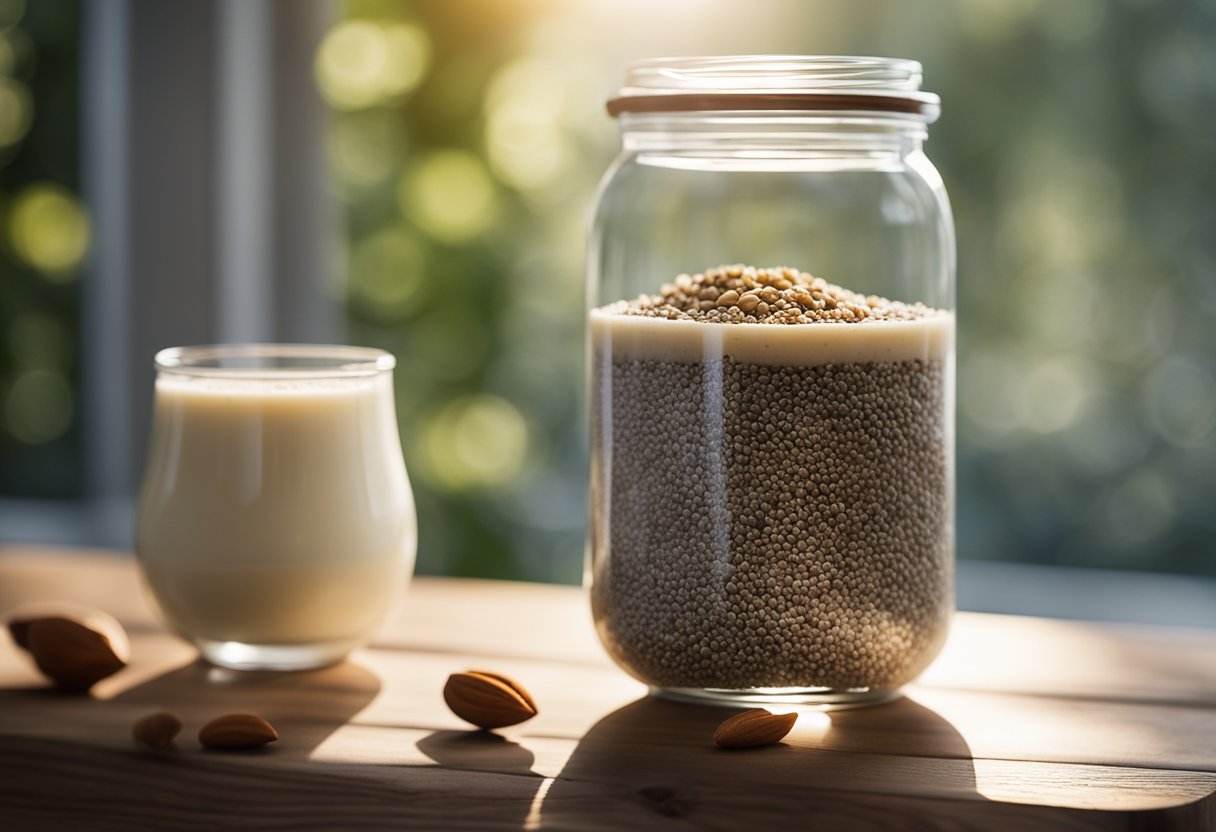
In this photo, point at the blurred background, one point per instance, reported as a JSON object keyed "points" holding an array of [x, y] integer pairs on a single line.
{"points": [[417, 175]]}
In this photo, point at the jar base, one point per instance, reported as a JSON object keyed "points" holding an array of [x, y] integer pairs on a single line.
{"points": [[823, 699], [238, 655]]}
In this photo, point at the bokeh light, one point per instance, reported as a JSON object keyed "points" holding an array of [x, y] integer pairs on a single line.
{"points": [[996, 20], [362, 63], [16, 112], [10, 13], [1180, 397], [1056, 390], [1066, 208], [449, 194], [525, 139], [49, 230], [1177, 78], [388, 272], [992, 395], [1139, 509], [38, 407], [477, 441], [1105, 441], [368, 147]]}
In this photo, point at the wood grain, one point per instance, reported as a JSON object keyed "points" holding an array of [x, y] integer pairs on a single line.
{"points": [[1070, 726]]}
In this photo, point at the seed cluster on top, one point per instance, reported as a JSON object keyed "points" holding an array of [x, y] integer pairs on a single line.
{"points": [[780, 295]]}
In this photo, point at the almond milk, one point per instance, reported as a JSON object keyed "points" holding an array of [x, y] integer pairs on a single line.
{"points": [[276, 512]]}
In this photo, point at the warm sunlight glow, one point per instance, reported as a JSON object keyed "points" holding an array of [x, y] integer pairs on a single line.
{"points": [[449, 195], [532, 821], [812, 724], [361, 64], [524, 134]]}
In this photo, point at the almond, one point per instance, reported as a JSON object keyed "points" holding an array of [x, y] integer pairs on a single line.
{"points": [[156, 730], [754, 728], [236, 731], [512, 684], [488, 700], [73, 655]]}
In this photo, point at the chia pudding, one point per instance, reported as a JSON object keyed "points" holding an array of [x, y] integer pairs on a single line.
{"points": [[772, 499]]}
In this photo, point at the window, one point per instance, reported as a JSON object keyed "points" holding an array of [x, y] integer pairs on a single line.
{"points": [[426, 169]]}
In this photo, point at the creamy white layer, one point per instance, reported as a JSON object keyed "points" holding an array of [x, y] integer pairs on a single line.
{"points": [[646, 338], [275, 511]]}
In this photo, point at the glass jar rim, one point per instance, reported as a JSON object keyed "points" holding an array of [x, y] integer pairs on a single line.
{"points": [[775, 82], [274, 361]]}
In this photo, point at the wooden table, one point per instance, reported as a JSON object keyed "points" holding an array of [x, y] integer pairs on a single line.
{"points": [[1022, 724]]}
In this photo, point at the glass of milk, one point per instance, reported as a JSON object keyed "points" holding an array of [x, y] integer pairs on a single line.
{"points": [[276, 524]]}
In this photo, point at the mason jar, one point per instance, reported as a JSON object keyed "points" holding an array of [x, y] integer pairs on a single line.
{"points": [[771, 362]]}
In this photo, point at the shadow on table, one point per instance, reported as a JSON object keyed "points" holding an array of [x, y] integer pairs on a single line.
{"points": [[305, 706], [515, 798], [844, 770], [478, 751], [78, 767]]}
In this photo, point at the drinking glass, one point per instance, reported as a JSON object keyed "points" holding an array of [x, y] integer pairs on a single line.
{"points": [[276, 525]]}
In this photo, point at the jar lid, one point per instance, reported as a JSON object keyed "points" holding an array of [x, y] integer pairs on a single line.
{"points": [[775, 82]]}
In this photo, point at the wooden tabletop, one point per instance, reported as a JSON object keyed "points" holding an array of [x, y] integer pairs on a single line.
{"points": [[1023, 723]]}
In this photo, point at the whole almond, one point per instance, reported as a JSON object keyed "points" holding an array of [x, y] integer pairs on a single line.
{"points": [[488, 700], [237, 731], [156, 730], [512, 684], [754, 728], [71, 654]]}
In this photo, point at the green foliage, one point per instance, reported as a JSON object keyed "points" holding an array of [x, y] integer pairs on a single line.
{"points": [[467, 138], [43, 239]]}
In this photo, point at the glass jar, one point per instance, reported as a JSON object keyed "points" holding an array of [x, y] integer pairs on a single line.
{"points": [[771, 360], [276, 523]]}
